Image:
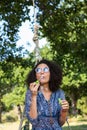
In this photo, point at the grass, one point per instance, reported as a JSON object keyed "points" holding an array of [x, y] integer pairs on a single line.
{"points": [[78, 127], [76, 123]]}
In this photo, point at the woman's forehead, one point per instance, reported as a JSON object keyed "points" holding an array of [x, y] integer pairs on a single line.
{"points": [[42, 65]]}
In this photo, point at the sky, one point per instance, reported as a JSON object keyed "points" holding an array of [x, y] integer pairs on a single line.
{"points": [[26, 36]]}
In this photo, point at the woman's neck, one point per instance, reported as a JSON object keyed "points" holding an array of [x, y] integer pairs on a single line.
{"points": [[45, 87], [46, 92]]}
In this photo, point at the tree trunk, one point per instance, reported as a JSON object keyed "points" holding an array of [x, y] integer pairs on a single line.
{"points": [[74, 104]]}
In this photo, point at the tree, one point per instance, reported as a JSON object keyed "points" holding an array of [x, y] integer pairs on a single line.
{"points": [[12, 80], [74, 79], [66, 34], [12, 14], [17, 95], [65, 26], [46, 52], [64, 23]]}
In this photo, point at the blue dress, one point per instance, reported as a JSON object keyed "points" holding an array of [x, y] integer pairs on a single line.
{"points": [[48, 111]]}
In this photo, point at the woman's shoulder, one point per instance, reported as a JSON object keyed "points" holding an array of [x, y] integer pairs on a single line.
{"points": [[60, 94], [28, 92], [60, 91]]}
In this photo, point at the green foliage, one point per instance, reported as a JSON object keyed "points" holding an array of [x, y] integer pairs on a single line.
{"points": [[13, 13], [46, 52], [17, 87], [6, 77], [64, 23], [17, 96], [82, 104], [65, 26]]}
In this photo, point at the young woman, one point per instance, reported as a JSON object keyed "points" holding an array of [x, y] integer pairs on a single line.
{"points": [[45, 105]]}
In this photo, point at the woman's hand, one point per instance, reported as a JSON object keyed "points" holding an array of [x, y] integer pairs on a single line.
{"points": [[65, 106], [34, 88], [64, 111]]}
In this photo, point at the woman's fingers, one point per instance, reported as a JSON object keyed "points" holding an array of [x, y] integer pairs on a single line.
{"points": [[65, 105], [34, 87]]}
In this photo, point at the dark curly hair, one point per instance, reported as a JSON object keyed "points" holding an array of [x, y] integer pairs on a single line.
{"points": [[55, 74]]}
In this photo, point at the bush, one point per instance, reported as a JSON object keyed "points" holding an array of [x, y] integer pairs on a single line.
{"points": [[10, 118]]}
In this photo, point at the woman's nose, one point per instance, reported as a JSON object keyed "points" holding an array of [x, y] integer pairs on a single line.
{"points": [[42, 71]]}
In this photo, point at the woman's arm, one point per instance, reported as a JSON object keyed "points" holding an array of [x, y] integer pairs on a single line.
{"points": [[31, 104], [64, 112], [33, 107]]}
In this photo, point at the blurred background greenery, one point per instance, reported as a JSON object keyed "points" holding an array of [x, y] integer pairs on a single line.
{"points": [[64, 25]]}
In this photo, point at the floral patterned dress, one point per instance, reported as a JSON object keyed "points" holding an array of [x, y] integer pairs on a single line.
{"points": [[48, 111]]}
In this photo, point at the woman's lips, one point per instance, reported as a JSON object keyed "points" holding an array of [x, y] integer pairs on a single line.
{"points": [[41, 77]]}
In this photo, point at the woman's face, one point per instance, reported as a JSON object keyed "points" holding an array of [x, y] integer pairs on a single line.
{"points": [[43, 73]]}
